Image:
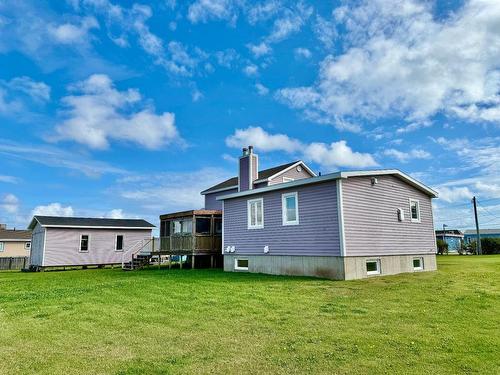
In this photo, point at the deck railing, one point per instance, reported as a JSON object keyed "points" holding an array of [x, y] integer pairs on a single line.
{"points": [[189, 243]]}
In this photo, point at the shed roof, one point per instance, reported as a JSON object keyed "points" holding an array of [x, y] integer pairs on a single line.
{"points": [[15, 235], [89, 222]]}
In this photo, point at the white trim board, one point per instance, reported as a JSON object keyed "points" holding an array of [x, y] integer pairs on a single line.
{"points": [[340, 212]]}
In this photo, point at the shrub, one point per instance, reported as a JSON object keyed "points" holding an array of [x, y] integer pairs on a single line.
{"points": [[490, 245], [442, 247]]}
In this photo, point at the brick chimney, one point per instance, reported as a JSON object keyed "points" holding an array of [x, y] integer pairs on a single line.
{"points": [[248, 169]]}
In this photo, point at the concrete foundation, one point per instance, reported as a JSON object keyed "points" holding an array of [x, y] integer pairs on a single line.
{"points": [[337, 268]]}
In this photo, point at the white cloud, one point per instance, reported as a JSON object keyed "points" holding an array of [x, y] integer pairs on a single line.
{"points": [[20, 95], [53, 209], [302, 53], [400, 60], [57, 158], [336, 154], [413, 127], [10, 203], [205, 10], [98, 113], [454, 194], [251, 70], [39, 91], [259, 50], [9, 179], [261, 89], [325, 31], [289, 23], [116, 213], [262, 11], [226, 58], [406, 156], [68, 33], [262, 140]]}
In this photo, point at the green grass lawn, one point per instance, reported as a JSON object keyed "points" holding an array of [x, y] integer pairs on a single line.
{"points": [[207, 321]]}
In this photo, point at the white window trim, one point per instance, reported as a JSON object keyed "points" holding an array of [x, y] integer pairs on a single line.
{"points": [[2, 246], [116, 242], [421, 264], [240, 268], [418, 211], [377, 271], [249, 217], [80, 243], [288, 179], [283, 208], [26, 247]]}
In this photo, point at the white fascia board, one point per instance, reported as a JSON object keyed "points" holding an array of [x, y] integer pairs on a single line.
{"points": [[92, 227]]}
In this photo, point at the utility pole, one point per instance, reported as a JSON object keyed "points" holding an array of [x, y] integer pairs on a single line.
{"points": [[478, 246]]}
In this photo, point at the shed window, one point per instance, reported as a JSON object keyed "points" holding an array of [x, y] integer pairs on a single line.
{"points": [[255, 209], [290, 209], [84, 242], [27, 245], [241, 264], [418, 263], [119, 242], [415, 210], [203, 225], [373, 267], [2, 248]]}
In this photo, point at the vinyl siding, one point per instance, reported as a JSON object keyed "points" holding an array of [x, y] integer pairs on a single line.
{"points": [[371, 223], [211, 202], [317, 234], [14, 249], [37, 240], [292, 173], [62, 245]]}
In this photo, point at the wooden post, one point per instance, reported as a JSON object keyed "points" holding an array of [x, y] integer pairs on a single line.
{"points": [[180, 262], [192, 262], [211, 261]]}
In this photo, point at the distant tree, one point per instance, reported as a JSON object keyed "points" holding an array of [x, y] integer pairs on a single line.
{"points": [[490, 245], [442, 247]]}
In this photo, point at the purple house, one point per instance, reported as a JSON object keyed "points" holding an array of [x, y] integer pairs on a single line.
{"points": [[344, 225]]}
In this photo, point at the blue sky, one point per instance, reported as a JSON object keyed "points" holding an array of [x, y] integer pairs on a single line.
{"points": [[129, 109]]}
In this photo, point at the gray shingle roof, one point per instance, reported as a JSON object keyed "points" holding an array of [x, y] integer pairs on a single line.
{"points": [[482, 231], [48, 221], [14, 234], [264, 174]]}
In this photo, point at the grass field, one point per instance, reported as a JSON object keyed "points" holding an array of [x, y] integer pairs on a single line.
{"points": [[207, 321]]}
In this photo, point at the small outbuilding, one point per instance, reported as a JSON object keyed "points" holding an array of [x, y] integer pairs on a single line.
{"points": [[76, 241]]}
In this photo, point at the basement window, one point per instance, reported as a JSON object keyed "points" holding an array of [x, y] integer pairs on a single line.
{"points": [[84, 243], [418, 264], [373, 267], [119, 242], [241, 264]]}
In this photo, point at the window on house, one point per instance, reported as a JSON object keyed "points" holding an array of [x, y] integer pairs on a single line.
{"points": [[418, 263], [27, 245], [203, 225], [2, 247], [218, 226], [287, 179], [290, 209], [415, 210], [119, 242], [241, 264], [255, 209], [84, 242], [373, 267]]}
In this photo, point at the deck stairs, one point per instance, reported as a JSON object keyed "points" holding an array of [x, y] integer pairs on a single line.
{"points": [[139, 255]]}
